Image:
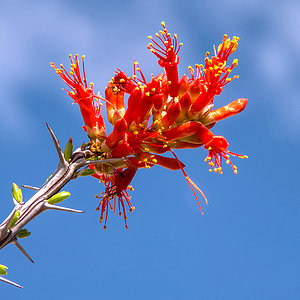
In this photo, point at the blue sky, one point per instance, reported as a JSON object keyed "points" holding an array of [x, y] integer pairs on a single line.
{"points": [[246, 245]]}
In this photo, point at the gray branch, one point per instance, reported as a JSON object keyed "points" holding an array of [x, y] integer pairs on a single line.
{"points": [[37, 204]]}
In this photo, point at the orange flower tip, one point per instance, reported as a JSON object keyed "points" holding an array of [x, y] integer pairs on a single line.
{"points": [[104, 227], [120, 214], [126, 226]]}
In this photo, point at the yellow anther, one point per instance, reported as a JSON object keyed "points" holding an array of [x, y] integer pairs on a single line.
{"points": [[169, 82], [227, 161], [180, 44], [147, 149], [154, 160], [145, 159], [234, 167], [245, 156], [70, 55], [228, 79], [211, 68], [83, 57], [147, 167], [91, 84], [175, 35], [147, 94], [207, 53], [136, 132], [136, 63], [235, 171], [209, 148], [157, 34], [210, 170], [165, 146], [163, 24], [215, 170], [71, 73]]}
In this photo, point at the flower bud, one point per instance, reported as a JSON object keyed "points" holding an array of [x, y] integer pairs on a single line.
{"points": [[17, 193], [24, 233], [57, 198]]}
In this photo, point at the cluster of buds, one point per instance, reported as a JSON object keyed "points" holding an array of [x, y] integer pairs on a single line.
{"points": [[163, 114]]}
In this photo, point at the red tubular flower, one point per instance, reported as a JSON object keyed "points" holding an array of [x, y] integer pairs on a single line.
{"points": [[167, 53], [116, 188], [88, 102], [162, 114]]}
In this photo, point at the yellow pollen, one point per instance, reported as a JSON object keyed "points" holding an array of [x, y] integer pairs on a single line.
{"points": [[245, 156], [149, 37], [147, 94], [91, 84], [147, 149], [163, 24], [169, 82], [165, 146], [210, 170], [215, 170], [154, 160], [136, 132], [70, 55], [227, 161], [83, 57], [235, 171], [147, 167], [234, 167], [209, 148]]}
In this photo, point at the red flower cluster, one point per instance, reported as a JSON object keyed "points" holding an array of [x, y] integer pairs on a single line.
{"points": [[162, 114]]}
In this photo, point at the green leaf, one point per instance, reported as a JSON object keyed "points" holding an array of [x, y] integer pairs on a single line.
{"points": [[14, 219], [17, 193], [88, 172], [68, 149], [3, 270], [24, 233], [57, 198]]}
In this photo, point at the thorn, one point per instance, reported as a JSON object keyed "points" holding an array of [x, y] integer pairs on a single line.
{"points": [[61, 208], [60, 154], [16, 243], [10, 282], [77, 174], [29, 187], [5, 225]]}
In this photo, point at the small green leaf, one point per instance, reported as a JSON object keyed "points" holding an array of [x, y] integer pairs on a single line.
{"points": [[24, 233], [17, 193], [3, 270], [88, 172], [14, 219], [58, 197], [68, 149]]}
